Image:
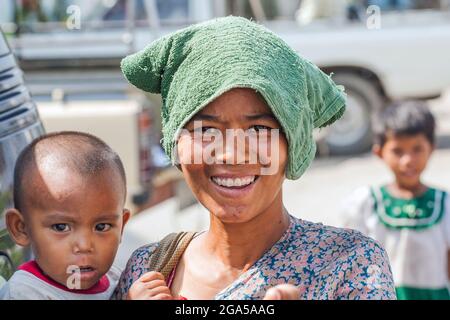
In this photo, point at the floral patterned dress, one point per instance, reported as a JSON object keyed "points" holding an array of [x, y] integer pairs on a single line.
{"points": [[324, 262]]}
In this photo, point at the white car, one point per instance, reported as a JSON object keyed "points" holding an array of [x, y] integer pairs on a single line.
{"points": [[379, 53], [379, 56]]}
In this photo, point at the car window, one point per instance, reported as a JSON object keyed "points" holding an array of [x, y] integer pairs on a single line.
{"points": [[50, 15], [7, 17], [7, 12], [395, 5]]}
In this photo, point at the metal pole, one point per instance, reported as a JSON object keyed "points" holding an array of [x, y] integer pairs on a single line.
{"points": [[130, 13], [152, 14]]}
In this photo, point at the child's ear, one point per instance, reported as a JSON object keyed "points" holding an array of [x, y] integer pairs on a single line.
{"points": [[376, 150], [17, 227], [125, 217]]}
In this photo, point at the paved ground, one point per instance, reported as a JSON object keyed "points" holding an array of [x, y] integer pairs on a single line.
{"points": [[315, 197]]}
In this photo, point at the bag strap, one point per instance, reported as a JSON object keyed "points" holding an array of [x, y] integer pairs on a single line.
{"points": [[169, 251]]}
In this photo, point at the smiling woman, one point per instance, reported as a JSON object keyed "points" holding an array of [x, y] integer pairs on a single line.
{"points": [[233, 78], [226, 186]]}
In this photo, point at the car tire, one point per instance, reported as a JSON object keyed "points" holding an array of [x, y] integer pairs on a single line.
{"points": [[353, 132]]}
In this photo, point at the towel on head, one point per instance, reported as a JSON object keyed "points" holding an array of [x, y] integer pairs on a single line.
{"points": [[193, 66]]}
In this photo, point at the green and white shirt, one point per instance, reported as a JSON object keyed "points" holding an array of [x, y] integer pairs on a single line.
{"points": [[415, 233]]}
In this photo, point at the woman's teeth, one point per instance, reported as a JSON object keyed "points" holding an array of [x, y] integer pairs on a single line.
{"points": [[237, 182]]}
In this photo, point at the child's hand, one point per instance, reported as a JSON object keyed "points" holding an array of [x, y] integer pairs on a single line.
{"points": [[150, 286]]}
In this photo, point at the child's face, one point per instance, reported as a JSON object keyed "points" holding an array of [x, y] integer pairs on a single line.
{"points": [[240, 110], [407, 157], [74, 221]]}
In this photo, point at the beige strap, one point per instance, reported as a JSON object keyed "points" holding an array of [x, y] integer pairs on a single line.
{"points": [[169, 251]]}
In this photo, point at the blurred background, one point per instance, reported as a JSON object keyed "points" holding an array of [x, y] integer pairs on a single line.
{"points": [[65, 76]]}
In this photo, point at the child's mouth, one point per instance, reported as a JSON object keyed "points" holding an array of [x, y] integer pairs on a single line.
{"points": [[87, 273], [86, 269], [409, 173]]}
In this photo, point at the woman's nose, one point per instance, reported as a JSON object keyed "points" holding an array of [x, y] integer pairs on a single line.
{"points": [[234, 149]]}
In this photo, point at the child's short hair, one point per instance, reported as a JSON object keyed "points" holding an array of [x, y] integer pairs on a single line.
{"points": [[405, 118], [82, 152]]}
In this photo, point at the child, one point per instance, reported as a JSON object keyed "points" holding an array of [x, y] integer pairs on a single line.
{"points": [[409, 218], [69, 193]]}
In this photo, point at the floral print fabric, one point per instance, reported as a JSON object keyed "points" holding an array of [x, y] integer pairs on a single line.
{"points": [[324, 262]]}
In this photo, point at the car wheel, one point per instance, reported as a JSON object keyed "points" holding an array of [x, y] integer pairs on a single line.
{"points": [[353, 132]]}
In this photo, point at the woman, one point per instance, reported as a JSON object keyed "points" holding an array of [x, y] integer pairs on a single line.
{"points": [[231, 77]]}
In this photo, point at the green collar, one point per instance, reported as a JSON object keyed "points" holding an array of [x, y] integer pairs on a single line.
{"points": [[421, 212]]}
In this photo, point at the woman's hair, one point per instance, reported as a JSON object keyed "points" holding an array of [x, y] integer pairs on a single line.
{"points": [[406, 118]]}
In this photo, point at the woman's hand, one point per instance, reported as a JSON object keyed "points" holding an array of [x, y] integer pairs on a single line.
{"points": [[283, 292], [150, 286]]}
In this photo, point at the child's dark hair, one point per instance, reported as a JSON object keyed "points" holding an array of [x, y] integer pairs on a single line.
{"points": [[404, 119], [82, 152]]}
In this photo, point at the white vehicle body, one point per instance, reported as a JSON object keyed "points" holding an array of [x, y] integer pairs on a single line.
{"points": [[409, 53], [405, 57]]}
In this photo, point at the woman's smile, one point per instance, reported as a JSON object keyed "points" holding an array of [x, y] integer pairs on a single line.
{"points": [[233, 186]]}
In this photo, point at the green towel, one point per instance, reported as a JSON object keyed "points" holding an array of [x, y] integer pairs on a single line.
{"points": [[195, 65]]}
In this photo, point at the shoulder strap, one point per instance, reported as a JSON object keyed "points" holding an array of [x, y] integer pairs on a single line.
{"points": [[169, 251]]}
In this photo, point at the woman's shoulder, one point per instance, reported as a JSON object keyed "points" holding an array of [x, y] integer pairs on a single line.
{"points": [[137, 265], [141, 256], [357, 264], [334, 242], [318, 230]]}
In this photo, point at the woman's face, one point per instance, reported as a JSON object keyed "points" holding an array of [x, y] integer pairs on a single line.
{"points": [[233, 156]]}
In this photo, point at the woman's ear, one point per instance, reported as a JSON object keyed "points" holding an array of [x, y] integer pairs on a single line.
{"points": [[16, 225]]}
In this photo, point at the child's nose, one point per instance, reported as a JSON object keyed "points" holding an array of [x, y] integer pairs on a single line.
{"points": [[407, 159], [83, 244]]}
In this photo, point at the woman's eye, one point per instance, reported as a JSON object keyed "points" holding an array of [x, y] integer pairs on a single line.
{"points": [[102, 227], [258, 128], [208, 132], [61, 227], [203, 129]]}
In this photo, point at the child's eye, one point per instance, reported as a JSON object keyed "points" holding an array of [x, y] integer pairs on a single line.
{"points": [[418, 149], [61, 227], [102, 227]]}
